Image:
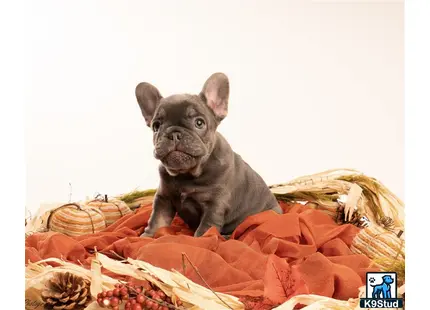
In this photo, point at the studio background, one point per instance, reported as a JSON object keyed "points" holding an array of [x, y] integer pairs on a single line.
{"points": [[315, 85]]}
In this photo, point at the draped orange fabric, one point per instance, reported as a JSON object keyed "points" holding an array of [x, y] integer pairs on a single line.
{"points": [[269, 257]]}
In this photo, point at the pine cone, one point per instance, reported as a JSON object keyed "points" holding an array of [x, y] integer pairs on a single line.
{"points": [[66, 291]]}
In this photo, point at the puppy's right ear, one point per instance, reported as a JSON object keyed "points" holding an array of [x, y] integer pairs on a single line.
{"points": [[148, 98]]}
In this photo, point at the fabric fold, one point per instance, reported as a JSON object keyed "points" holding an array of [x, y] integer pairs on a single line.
{"points": [[302, 250]]}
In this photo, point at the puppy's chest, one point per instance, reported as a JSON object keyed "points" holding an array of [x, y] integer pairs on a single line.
{"points": [[191, 197], [189, 193]]}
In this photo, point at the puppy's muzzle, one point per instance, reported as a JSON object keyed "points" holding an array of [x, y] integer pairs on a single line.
{"points": [[175, 136]]}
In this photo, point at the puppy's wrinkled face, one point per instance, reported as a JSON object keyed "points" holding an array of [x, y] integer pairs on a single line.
{"points": [[184, 131], [184, 125]]}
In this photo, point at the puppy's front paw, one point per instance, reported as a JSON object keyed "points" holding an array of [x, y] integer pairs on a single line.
{"points": [[204, 227], [226, 237]]}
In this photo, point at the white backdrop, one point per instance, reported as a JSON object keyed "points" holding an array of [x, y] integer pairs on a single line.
{"points": [[315, 85]]}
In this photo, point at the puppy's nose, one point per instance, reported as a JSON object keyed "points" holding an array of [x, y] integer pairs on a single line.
{"points": [[175, 136]]}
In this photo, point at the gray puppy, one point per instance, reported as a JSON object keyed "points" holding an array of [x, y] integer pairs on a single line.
{"points": [[201, 178]]}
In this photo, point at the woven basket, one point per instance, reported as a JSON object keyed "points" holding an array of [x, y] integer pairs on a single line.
{"points": [[112, 210], [75, 220]]}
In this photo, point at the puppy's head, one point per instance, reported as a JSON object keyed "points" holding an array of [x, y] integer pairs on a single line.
{"points": [[184, 125]]}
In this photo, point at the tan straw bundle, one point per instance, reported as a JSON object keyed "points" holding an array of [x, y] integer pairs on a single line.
{"points": [[349, 188]]}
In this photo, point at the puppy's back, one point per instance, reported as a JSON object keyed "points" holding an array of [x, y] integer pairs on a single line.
{"points": [[249, 194]]}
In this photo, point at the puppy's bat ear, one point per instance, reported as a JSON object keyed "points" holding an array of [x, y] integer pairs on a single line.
{"points": [[148, 98], [216, 91]]}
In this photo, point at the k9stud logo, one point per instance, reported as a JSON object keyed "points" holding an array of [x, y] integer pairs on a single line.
{"points": [[381, 291]]}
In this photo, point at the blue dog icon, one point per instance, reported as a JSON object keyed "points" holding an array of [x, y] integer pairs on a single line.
{"points": [[384, 288]]}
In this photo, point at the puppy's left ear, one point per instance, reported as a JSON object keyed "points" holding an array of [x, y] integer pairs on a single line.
{"points": [[148, 98], [216, 92]]}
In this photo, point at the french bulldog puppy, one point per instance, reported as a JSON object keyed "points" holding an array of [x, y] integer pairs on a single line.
{"points": [[201, 178]]}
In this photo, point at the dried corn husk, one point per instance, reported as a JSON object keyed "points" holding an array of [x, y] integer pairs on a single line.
{"points": [[314, 302], [364, 194], [37, 274], [37, 223], [172, 283]]}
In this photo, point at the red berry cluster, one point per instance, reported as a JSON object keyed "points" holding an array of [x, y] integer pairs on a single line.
{"points": [[136, 297]]}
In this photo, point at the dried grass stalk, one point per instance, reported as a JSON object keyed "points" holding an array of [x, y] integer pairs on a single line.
{"points": [[375, 201], [136, 194], [38, 222], [397, 265]]}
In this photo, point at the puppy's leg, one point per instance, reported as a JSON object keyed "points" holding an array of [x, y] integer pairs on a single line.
{"points": [[162, 215], [213, 216], [273, 204]]}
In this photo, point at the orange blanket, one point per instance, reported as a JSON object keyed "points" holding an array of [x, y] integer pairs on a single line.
{"points": [[268, 259]]}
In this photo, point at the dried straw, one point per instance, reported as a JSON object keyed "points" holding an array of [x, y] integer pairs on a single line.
{"points": [[132, 196], [326, 188], [37, 273]]}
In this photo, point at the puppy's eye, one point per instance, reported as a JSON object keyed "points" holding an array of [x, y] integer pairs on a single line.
{"points": [[156, 126], [199, 123]]}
